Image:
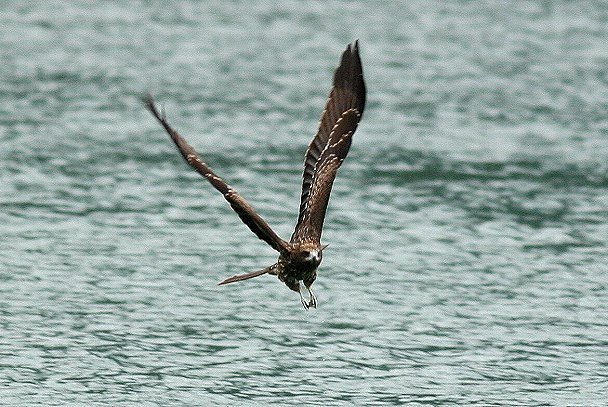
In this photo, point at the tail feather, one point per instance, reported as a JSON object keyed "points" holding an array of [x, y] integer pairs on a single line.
{"points": [[247, 276]]}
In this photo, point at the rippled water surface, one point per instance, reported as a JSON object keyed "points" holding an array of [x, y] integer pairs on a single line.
{"points": [[467, 262]]}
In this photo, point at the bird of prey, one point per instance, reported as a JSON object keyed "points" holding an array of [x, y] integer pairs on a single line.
{"points": [[301, 255]]}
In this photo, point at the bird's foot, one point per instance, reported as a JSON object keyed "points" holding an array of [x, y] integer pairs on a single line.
{"points": [[302, 299], [312, 300]]}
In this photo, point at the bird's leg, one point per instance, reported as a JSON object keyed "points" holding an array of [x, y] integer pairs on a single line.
{"points": [[302, 299], [313, 300]]}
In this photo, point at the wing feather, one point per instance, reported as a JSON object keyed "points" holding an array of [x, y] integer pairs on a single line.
{"points": [[346, 102], [243, 209], [311, 225]]}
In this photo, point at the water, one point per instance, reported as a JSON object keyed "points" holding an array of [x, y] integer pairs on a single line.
{"points": [[467, 228]]}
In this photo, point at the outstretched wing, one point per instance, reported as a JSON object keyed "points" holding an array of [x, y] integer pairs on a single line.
{"points": [[237, 202], [330, 146]]}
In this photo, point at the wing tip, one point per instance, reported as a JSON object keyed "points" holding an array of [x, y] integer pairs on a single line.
{"points": [[349, 73], [147, 99], [150, 104], [355, 46]]}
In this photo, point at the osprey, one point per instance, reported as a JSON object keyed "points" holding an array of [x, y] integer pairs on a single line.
{"points": [[301, 255]]}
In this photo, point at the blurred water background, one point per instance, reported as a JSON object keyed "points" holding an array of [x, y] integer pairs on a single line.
{"points": [[467, 262]]}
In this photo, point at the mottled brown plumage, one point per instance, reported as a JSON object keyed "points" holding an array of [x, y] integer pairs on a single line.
{"points": [[300, 257]]}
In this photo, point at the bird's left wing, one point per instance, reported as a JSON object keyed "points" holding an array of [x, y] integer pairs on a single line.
{"points": [[245, 211], [310, 226], [330, 145]]}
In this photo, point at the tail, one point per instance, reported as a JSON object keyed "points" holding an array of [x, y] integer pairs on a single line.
{"points": [[241, 277]]}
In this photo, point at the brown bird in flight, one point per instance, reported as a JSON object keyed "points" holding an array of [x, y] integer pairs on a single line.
{"points": [[300, 257]]}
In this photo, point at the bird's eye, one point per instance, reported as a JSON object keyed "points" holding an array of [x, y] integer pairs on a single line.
{"points": [[306, 253]]}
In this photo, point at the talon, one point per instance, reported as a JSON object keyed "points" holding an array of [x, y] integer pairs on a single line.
{"points": [[313, 299], [302, 300]]}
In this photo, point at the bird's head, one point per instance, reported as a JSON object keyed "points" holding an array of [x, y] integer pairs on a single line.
{"points": [[312, 255]]}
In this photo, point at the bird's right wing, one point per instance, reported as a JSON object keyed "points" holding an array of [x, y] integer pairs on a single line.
{"points": [[245, 211]]}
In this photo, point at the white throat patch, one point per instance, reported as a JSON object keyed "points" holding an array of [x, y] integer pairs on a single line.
{"points": [[313, 256]]}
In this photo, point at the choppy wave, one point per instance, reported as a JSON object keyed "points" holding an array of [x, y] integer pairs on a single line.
{"points": [[467, 227]]}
